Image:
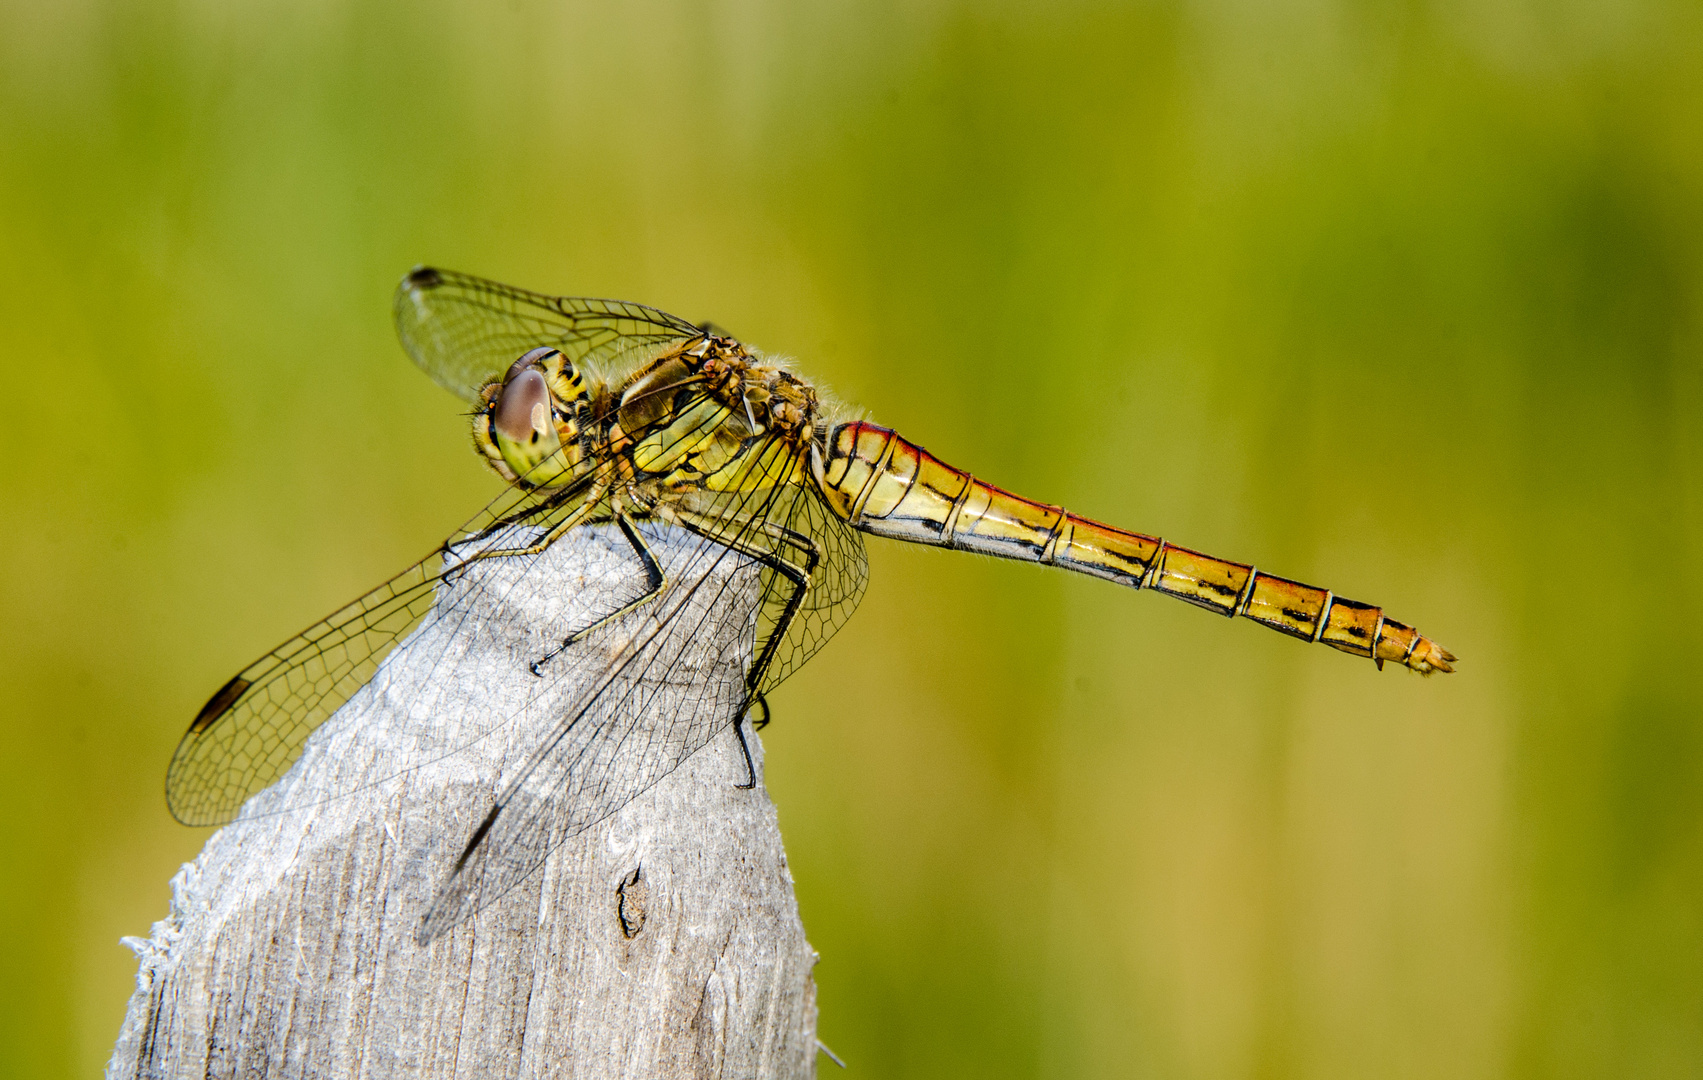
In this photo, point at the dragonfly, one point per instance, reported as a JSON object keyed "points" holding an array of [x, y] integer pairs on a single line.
{"points": [[604, 413]]}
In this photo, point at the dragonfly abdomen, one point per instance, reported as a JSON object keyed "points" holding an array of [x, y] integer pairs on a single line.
{"points": [[885, 484]]}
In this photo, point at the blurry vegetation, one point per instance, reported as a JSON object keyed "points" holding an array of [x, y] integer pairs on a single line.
{"points": [[1403, 300]]}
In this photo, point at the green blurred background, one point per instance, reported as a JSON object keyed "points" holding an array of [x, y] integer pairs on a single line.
{"points": [[1406, 300]]}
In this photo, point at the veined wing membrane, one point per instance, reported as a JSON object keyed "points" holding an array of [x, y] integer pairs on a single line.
{"points": [[249, 734], [464, 331], [668, 690], [799, 527], [252, 730]]}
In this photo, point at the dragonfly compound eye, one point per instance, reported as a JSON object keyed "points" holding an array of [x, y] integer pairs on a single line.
{"points": [[536, 359], [523, 436], [522, 412], [559, 373]]}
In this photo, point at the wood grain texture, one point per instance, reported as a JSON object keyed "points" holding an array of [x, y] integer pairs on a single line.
{"points": [[664, 941]]}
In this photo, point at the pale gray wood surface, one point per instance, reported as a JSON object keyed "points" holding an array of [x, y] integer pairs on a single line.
{"points": [[663, 941]]}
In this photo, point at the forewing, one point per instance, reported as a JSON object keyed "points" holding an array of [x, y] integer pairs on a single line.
{"points": [[251, 731], [464, 331]]}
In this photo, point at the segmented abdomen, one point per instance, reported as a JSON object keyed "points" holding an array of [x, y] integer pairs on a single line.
{"points": [[884, 484]]}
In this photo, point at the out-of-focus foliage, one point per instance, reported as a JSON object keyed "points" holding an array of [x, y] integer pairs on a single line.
{"points": [[1404, 300]]}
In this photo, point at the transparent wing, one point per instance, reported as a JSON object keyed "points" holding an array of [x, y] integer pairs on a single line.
{"points": [[251, 731], [663, 694], [464, 331], [836, 584], [254, 728]]}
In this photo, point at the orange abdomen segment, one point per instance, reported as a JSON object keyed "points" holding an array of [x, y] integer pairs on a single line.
{"points": [[884, 484]]}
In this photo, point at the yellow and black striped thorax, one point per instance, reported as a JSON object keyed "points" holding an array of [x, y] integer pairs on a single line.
{"points": [[708, 414]]}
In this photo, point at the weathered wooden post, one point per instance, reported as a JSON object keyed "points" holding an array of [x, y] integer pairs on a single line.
{"points": [[664, 941]]}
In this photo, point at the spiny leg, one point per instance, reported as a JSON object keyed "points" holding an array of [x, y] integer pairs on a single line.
{"points": [[657, 582], [745, 747], [555, 532], [750, 780], [800, 577], [761, 700], [812, 559]]}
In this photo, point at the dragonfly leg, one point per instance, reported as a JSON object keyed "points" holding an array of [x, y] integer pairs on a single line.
{"points": [[761, 700], [799, 576], [576, 518], [744, 542], [801, 582], [745, 748], [657, 581]]}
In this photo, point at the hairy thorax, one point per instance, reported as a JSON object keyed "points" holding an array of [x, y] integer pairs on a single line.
{"points": [[703, 417]]}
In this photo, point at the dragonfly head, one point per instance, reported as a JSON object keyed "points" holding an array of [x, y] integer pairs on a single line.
{"points": [[529, 429]]}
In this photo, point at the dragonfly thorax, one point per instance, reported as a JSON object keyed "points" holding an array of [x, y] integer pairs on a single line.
{"points": [[716, 381], [707, 416]]}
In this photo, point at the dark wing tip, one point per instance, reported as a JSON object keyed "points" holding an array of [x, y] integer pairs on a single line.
{"points": [[218, 704], [423, 277]]}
